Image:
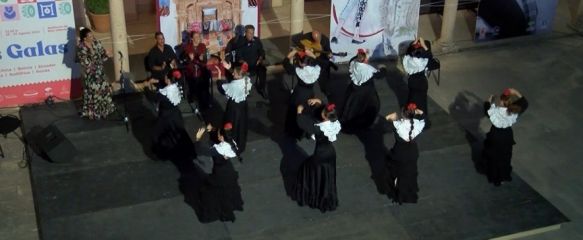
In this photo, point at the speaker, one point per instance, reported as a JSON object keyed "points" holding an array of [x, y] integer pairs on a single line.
{"points": [[52, 144]]}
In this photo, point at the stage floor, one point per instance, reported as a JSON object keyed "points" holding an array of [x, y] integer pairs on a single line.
{"points": [[115, 190]]}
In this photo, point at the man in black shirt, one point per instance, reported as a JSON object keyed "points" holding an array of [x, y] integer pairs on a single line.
{"points": [[161, 58], [250, 50]]}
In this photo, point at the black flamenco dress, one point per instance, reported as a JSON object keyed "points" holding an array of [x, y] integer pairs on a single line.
{"points": [[316, 180], [170, 139], [402, 172], [362, 104], [416, 67], [236, 111], [217, 196], [304, 90], [497, 152]]}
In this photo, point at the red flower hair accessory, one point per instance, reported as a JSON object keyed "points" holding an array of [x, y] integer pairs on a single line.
{"points": [[506, 92], [361, 51], [417, 45], [176, 74], [411, 106], [301, 54], [244, 67], [228, 126], [330, 107]]}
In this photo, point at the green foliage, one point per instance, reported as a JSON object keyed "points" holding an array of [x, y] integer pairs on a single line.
{"points": [[98, 6]]}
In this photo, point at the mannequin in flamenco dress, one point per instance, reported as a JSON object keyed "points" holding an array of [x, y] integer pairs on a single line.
{"points": [[362, 104], [316, 180], [236, 112], [170, 139], [415, 64], [303, 65], [218, 194], [401, 182], [497, 151]]}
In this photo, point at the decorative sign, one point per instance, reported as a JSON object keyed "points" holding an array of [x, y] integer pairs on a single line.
{"points": [[37, 51], [379, 26], [499, 19], [215, 19]]}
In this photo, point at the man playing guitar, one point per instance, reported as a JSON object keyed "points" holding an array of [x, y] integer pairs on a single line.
{"points": [[319, 44]]}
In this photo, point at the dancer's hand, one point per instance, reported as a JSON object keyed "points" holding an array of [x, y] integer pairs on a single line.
{"points": [[314, 101], [418, 111], [209, 127], [226, 65], [199, 134], [310, 53], [491, 98], [391, 117], [300, 109]]}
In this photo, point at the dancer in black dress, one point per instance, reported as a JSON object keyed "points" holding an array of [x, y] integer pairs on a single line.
{"points": [[415, 64], [316, 180], [302, 64], [362, 104], [402, 160], [497, 151], [236, 111], [170, 139], [219, 193]]}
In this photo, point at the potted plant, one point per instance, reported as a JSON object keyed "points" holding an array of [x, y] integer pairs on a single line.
{"points": [[98, 12]]}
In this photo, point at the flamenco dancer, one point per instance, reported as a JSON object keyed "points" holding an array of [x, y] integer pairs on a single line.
{"points": [[415, 64], [497, 152], [402, 160], [219, 193], [362, 104], [316, 180], [171, 141], [303, 65], [236, 112]]}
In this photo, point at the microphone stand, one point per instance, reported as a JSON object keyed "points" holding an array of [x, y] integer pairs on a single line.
{"points": [[122, 79]]}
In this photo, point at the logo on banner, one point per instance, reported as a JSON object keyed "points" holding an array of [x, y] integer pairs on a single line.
{"points": [[47, 10], [28, 11], [65, 8], [10, 12]]}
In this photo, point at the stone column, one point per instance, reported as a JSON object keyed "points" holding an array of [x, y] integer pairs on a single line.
{"points": [[276, 3], [119, 37], [445, 42], [297, 16]]}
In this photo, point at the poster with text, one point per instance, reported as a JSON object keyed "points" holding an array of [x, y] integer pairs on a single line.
{"points": [[499, 19], [215, 19], [378, 26], [37, 51]]}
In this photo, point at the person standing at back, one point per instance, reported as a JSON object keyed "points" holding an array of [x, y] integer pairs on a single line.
{"points": [[161, 59], [251, 52]]}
